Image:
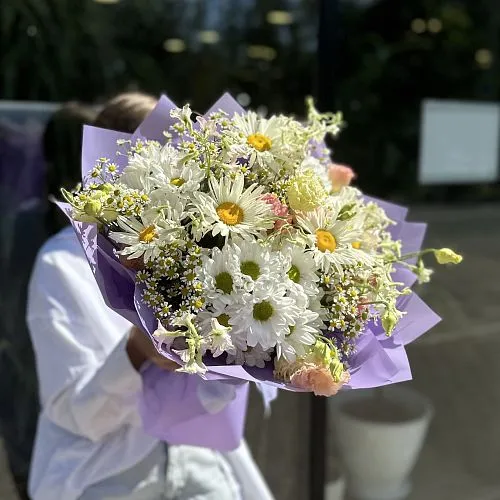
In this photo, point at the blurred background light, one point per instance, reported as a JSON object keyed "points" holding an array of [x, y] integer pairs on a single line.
{"points": [[261, 52], [484, 58], [279, 17], [174, 45], [209, 37], [418, 25], [31, 30], [434, 25]]}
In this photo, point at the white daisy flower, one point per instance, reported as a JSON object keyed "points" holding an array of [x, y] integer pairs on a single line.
{"points": [[251, 356], [332, 240], [302, 269], [169, 203], [256, 356], [145, 238], [229, 209], [257, 262], [260, 139], [204, 318], [301, 334], [237, 358], [264, 314], [220, 278], [166, 159], [178, 176]]}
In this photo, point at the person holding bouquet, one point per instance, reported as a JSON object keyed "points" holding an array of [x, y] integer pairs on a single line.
{"points": [[90, 444]]}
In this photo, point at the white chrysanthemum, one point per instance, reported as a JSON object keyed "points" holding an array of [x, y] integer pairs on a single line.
{"points": [[204, 318], [237, 358], [264, 315], [301, 299], [257, 262], [256, 356], [301, 335], [229, 209], [332, 240], [145, 238], [251, 356], [166, 158], [302, 269], [170, 204], [219, 277], [141, 164]]}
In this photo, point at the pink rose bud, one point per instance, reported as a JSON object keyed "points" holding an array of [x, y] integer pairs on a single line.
{"points": [[340, 176], [318, 379]]}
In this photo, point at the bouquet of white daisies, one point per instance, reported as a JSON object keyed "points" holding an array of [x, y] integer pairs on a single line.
{"points": [[248, 247]]}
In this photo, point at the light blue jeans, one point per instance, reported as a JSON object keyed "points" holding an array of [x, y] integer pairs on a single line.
{"points": [[172, 473], [199, 474]]}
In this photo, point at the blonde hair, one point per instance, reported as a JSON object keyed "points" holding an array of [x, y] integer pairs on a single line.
{"points": [[125, 112]]}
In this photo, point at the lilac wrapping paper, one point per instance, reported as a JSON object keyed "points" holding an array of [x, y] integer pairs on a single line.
{"points": [[171, 410], [382, 360], [170, 405]]}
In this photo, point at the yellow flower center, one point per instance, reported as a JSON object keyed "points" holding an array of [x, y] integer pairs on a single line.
{"points": [[356, 245], [177, 182], [325, 240], [260, 142], [198, 304], [148, 234], [230, 213]]}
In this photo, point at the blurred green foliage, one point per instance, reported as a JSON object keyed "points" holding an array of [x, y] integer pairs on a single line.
{"points": [[59, 50]]}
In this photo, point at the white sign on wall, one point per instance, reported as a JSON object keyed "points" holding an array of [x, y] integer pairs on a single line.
{"points": [[459, 142]]}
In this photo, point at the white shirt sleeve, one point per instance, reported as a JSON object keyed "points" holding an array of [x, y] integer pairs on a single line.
{"points": [[87, 383]]}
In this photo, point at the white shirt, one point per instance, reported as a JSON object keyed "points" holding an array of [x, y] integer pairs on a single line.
{"points": [[90, 443]]}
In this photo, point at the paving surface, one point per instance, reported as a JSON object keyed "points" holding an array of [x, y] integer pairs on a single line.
{"points": [[457, 366]]}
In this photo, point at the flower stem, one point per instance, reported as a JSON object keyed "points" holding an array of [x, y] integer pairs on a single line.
{"points": [[416, 254]]}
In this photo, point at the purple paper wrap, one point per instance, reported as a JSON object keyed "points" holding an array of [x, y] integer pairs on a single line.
{"points": [[380, 360], [171, 405], [172, 410]]}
